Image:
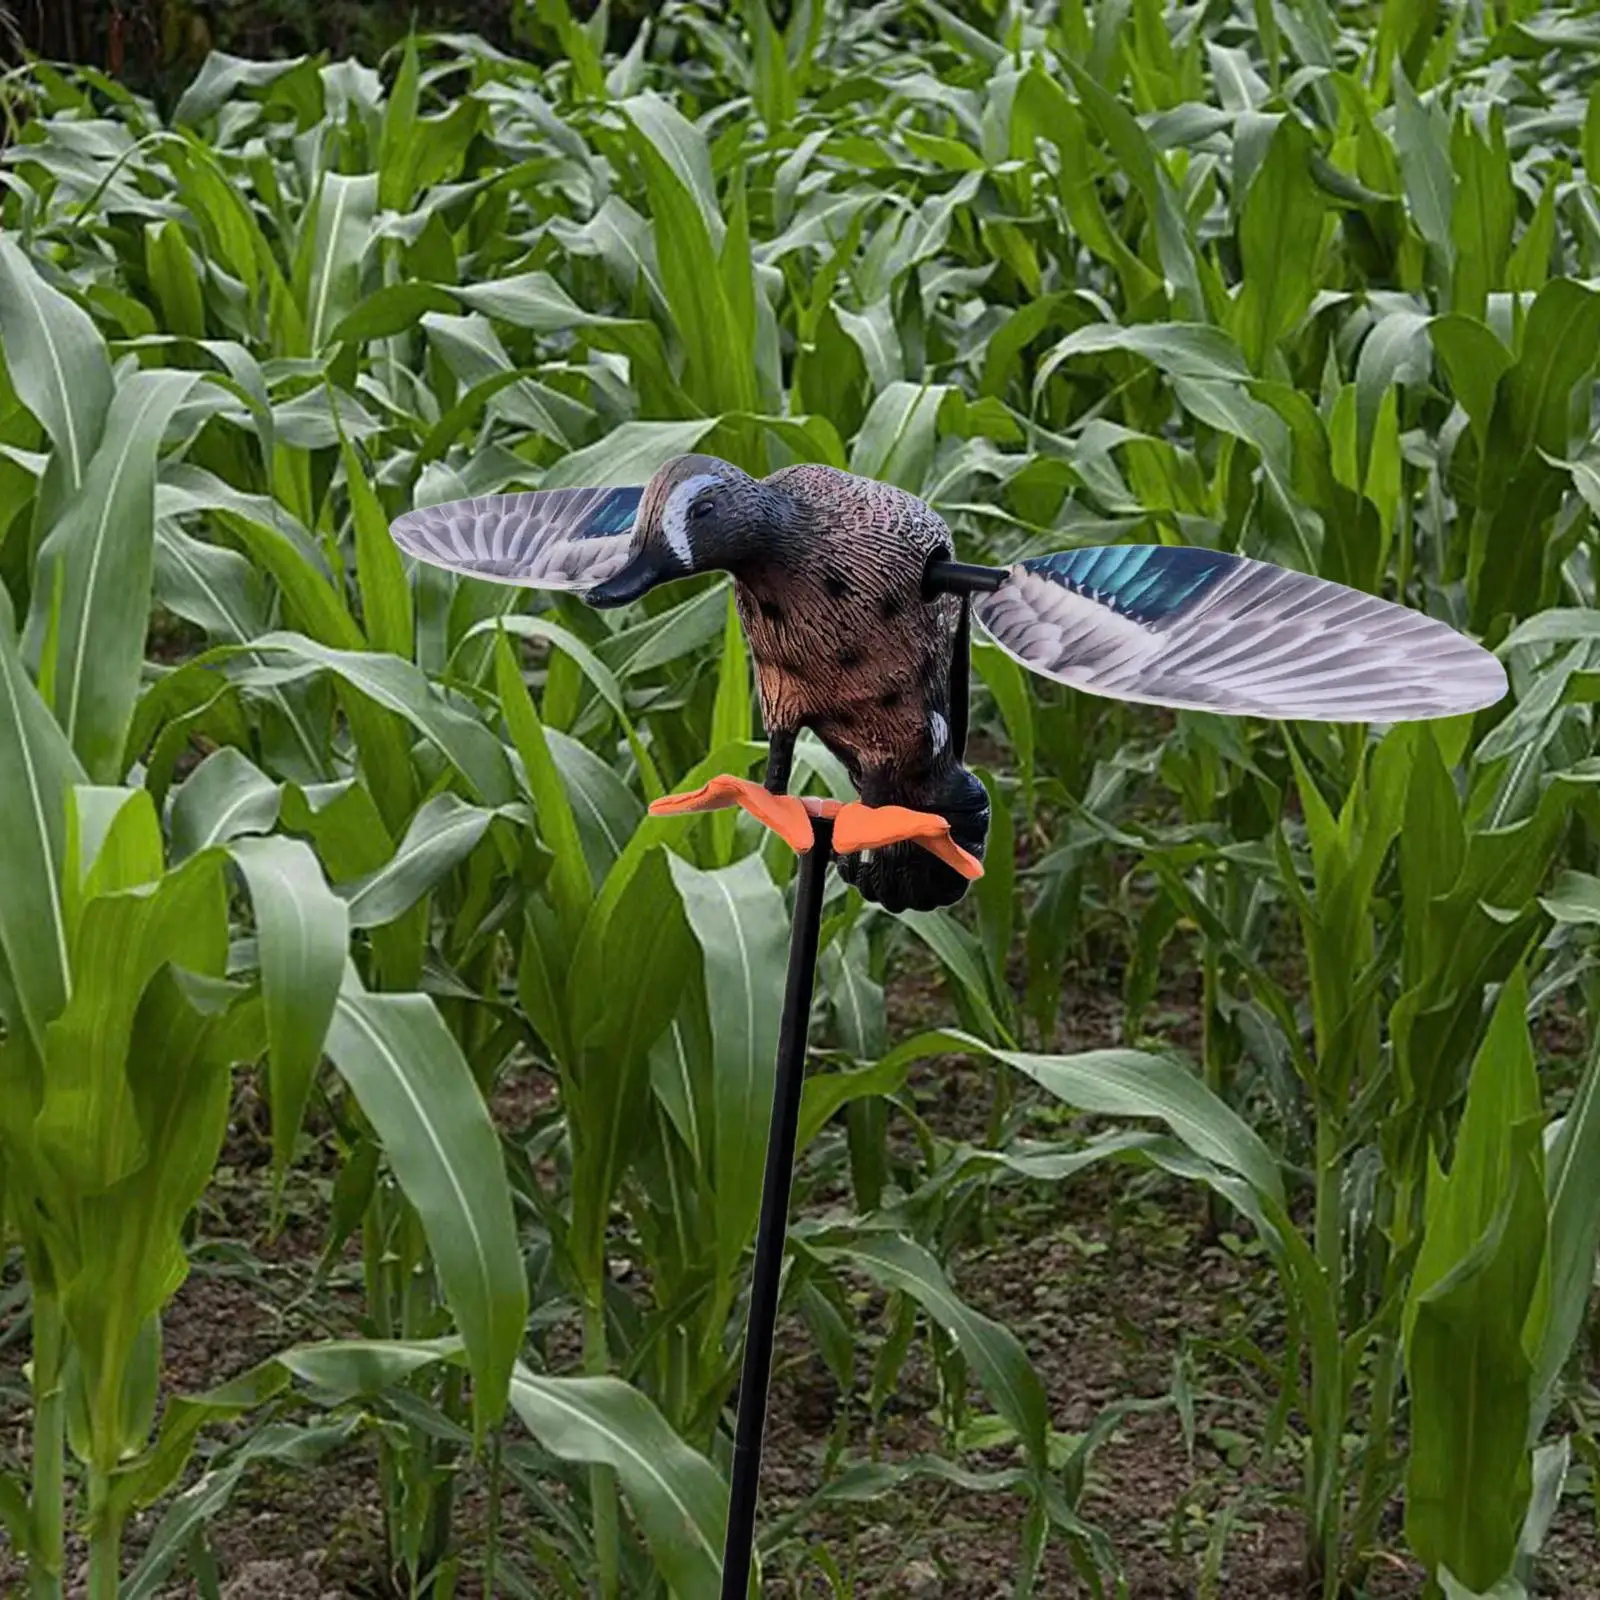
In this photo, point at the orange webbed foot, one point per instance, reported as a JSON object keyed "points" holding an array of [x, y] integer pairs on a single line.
{"points": [[855, 826], [783, 813], [863, 827]]}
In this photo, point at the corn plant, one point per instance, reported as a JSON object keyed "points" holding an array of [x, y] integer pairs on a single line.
{"points": [[1304, 282]]}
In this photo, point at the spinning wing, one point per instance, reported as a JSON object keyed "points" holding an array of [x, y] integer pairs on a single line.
{"points": [[1198, 629], [548, 539]]}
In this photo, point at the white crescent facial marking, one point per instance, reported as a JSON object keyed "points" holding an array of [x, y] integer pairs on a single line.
{"points": [[940, 729], [675, 518]]}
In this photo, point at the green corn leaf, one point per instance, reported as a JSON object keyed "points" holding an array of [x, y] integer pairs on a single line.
{"points": [[533, 300], [1529, 267], [15, 1515], [473, 352], [1008, 685], [628, 455], [592, 667], [417, 1090], [287, 553], [289, 1445], [225, 796], [991, 1349], [605, 809], [395, 308], [231, 231], [537, 301], [995, 891], [1474, 361], [302, 931], [1476, 1308], [1422, 142], [1127, 1083], [1131, 146], [37, 774], [189, 490], [57, 362], [334, 238], [1558, 350], [769, 67], [1573, 1165], [962, 957], [87, 1123], [1405, 30], [397, 139], [676, 1495], [855, 997], [343, 823], [1179, 349], [113, 843], [682, 151], [570, 887], [687, 230], [212, 587], [401, 688], [221, 78], [172, 275], [95, 566], [625, 983], [380, 569], [897, 437], [667, 637], [737, 916], [346, 1368], [730, 719], [130, 1248], [1040, 108], [1517, 487], [1280, 231], [1484, 214], [443, 833]]}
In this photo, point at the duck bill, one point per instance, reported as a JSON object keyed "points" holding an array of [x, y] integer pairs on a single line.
{"points": [[649, 567]]}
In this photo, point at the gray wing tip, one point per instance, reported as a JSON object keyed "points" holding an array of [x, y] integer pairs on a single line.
{"points": [[417, 531]]}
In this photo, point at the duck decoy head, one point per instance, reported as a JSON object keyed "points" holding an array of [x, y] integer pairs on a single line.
{"points": [[698, 514]]}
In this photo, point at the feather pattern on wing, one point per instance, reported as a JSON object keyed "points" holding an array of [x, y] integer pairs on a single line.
{"points": [[545, 539], [1206, 631]]}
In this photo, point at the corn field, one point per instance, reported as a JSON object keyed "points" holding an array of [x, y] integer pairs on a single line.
{"points": [[347, 988]]}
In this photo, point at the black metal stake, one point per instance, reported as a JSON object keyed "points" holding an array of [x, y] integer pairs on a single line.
{"points": [[773, 1227]]}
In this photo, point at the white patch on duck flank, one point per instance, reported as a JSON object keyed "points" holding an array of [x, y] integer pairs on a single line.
{"points": [[940, 729], [675, 518]]}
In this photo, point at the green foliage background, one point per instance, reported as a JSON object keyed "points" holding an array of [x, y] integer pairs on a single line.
{"points": [[1315, 283]]}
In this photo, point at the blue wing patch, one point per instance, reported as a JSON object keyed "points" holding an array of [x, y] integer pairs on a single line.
{"points": [[615, 514], [1144, 582]]}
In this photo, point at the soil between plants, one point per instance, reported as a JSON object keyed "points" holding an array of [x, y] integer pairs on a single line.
{"points": [[1112, 1280]]}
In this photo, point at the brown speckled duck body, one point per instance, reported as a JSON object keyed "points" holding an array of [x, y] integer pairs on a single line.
{"points": [[828, 572]]}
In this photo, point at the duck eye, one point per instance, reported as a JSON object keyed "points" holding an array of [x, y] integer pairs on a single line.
{"points": [[702, 507]]}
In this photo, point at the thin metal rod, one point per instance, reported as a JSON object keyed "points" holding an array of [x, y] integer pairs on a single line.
{"points": [[773, 1227], [961, 577], [960, 680]]}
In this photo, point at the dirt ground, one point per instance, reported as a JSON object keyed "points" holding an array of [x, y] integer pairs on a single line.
{"points": [[1111, 1280]]}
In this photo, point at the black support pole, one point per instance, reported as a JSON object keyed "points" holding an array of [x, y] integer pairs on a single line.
{"points": [[961, 681], [773, 1227]]}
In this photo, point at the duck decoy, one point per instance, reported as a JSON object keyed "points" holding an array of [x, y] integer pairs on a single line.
{"points": [[858, 619]]}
